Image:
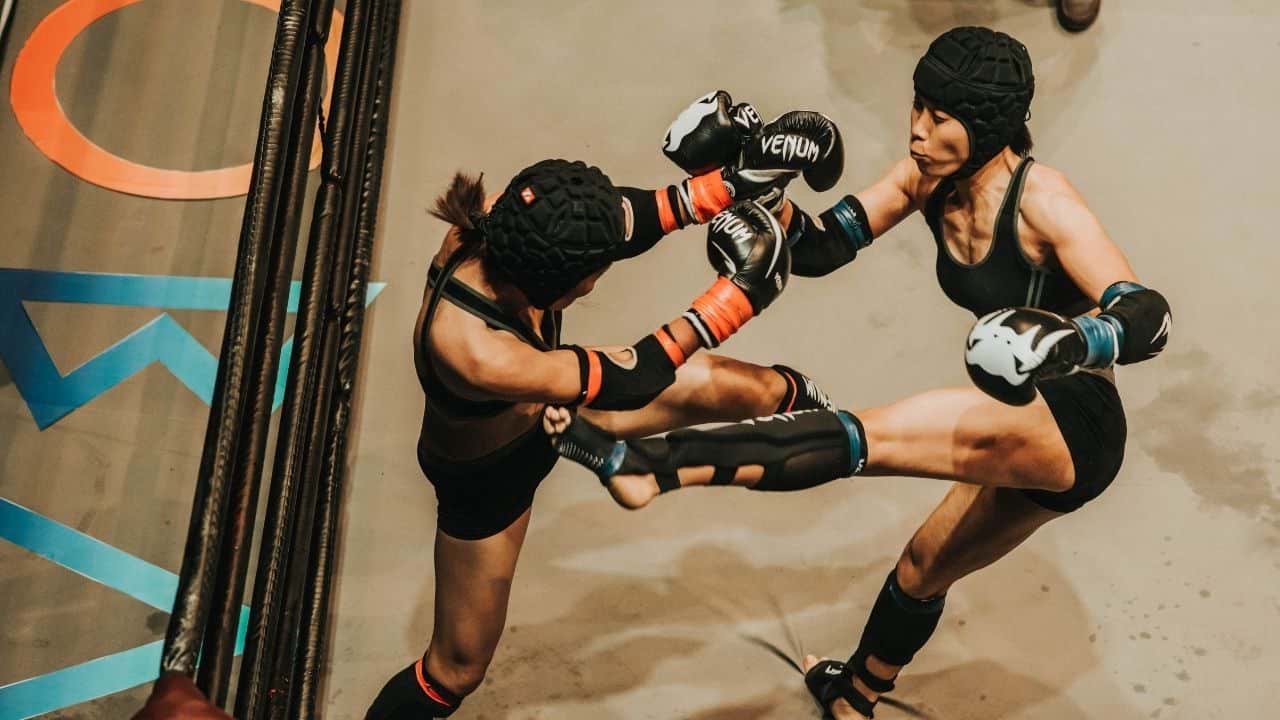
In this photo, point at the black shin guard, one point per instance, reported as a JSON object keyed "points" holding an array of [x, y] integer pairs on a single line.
{"points": [[898, 627], [797, 450], [802, 392], [412, 694]]}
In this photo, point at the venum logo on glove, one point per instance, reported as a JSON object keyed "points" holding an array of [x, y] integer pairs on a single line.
{"points": [[746, 116], [789, 148], [1005, 353], [733, 226]]}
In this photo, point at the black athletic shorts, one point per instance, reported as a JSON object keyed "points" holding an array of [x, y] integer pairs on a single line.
{"points": [[480, 498], [1090, 416]]}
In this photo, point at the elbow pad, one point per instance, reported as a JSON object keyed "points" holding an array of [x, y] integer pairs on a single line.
{"points": [[1142, 319], [607, 385]]}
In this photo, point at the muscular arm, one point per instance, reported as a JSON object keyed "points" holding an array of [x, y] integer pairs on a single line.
{"points": [[1056, 212], [833, 240], [1135, 321], [487, 364]]}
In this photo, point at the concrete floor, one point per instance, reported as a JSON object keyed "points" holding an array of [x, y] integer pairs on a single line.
{"points": [[1161, 599]]}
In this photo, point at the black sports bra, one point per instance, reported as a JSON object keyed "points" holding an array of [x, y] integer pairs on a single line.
{"points": [[1005, 277], [444, 285]]}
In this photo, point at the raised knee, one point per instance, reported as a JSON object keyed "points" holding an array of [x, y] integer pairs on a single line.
{"points": [[744, 389]]}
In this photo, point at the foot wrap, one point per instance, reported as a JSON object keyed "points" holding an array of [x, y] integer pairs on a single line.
{"points": [[830, 680]]}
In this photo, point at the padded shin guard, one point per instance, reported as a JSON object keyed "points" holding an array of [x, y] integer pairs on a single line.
{"points": [[412, 694], [898, 627], [797, 450]]}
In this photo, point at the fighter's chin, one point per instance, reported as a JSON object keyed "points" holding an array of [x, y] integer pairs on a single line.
{"points": [[927, 166]]}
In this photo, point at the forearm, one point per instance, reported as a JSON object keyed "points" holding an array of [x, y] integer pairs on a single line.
{"points": [[1133, 326], [818, 248], [657, 213]]}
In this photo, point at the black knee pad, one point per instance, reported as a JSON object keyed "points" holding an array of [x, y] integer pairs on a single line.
{"points": [[898, 627], [797, 450]]}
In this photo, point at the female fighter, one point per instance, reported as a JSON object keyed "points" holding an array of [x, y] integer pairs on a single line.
{"points": [[488, 354], [1017, 246]]}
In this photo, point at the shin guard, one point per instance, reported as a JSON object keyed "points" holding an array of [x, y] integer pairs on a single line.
{"points": [[797, 450], [898, 627]]}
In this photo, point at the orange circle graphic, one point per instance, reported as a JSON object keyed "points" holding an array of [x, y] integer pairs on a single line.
{"points": [[34, 95]]}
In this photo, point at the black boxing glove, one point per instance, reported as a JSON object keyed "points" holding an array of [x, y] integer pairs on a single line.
{"points": [[747, 247], [798, 141], [1009, 350]]}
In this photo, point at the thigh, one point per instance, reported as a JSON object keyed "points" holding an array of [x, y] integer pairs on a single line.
{"points": [[473, 585], [709, 388], [963, 434], [971, 528]]}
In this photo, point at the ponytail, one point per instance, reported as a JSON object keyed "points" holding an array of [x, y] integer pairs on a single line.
{"points": [[463, 205], [1022, 142]]}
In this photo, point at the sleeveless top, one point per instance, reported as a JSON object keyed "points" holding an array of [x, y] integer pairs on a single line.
{"points": [[444, 285], [1005, 277]]}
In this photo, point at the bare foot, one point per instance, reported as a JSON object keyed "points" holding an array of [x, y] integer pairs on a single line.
{"points": [[840, 709], [630, 491]]}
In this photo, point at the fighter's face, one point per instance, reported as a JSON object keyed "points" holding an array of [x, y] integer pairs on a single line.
{"points": [[582, 289], [939, 143]]}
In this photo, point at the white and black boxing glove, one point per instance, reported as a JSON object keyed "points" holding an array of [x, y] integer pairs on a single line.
{"points": [[1009, 350], [710, 133]]}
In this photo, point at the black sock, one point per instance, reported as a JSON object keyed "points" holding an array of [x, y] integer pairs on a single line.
{"points": [[412, 694]]}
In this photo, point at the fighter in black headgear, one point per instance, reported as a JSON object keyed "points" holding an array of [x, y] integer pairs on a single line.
{"points": [[488, 351], [556, 223], [983, 78], [1043, 430]]}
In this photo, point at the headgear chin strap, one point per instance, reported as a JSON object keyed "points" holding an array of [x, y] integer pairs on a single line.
{"points": [[555, 224], [983, 78]]}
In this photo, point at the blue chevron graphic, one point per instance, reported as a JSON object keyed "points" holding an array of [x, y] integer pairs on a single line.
{"points": [[50, 396], [112, 567]]}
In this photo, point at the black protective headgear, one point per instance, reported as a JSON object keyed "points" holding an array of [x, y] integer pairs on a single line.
{"points": [[556, 223], [982, 78]]}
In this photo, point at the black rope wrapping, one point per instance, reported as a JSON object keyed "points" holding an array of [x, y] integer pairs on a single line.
{"points": [[284, 554], [234, 381], [219, 640], [6, 19], [315, 620]]}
